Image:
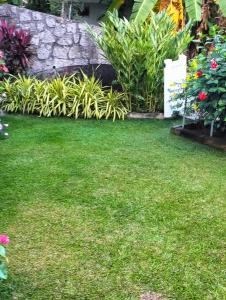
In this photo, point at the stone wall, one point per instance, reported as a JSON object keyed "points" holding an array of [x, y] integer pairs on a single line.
{"points": [[59, 43]]}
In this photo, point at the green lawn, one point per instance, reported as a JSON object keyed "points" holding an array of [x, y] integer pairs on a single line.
{"points": [[101, 210]]}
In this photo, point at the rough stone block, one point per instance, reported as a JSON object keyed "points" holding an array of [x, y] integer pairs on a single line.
{"points": [[40, 26], [25, 16], [13, 9], [66, 40], [4, 10], [44, 52], [51, 22], [47, 37], [75, 52], [35, 40], [85, 40], [76, 38], [60, 52], [37, 16], [59, 31], [29, 26], [72, 27]]}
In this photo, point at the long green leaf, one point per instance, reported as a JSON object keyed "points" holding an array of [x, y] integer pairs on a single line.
{"points": [[141, 10], [194, 9]]}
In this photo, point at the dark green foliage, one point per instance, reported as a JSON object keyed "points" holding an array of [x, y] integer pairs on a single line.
{"points": [[39, 5]]}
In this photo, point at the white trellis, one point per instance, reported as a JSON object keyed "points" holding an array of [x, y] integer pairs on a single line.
{"points": [[174, 75]]}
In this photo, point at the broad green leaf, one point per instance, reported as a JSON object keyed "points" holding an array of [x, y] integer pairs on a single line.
{"points": [[141, 10], [194, 9]]}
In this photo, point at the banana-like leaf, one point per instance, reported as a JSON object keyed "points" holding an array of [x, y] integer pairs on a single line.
{"points": [[141, 10], [194, 9], [222, 5]]}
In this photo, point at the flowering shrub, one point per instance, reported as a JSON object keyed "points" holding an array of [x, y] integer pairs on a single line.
{"points": [[206, 84], [4, 241], [16, 45]]}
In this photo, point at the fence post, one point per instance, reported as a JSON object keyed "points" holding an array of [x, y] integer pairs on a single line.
{"points": [[174, 75]]}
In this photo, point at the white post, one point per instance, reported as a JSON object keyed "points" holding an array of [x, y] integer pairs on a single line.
{"points": [[174, 75]]}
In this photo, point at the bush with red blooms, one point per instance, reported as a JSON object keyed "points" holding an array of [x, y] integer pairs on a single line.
{"points": [[205, 86], [16, 46]]}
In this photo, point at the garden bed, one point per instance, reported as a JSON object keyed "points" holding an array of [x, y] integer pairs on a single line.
{"points": [[201, 134]]}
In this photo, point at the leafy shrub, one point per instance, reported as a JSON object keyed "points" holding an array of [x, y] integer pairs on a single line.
{"points": [[16, 45], [68, 96], [4, 241], [137, 53], [205, 86]]}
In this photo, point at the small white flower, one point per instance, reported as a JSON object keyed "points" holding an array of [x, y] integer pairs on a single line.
{"points": [[6, 134], [6, 125]]}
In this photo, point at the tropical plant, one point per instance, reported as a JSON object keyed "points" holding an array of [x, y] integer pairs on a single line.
{"points": [[137, 53], [15, 43], [195, 9], [205, 87], [71, 96], [4, 241]]}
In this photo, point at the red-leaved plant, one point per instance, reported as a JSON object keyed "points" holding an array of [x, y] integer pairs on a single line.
{"points": [[16, 45]]}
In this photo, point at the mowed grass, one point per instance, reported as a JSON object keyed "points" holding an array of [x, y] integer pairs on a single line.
{"points": [[101, 210]]}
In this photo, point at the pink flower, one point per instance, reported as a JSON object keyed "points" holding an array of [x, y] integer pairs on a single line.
{"points": [[4, 239], [214, 64], [1, 54]]}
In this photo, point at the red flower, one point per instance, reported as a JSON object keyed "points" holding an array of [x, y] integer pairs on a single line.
{"points": [[4, 69], [214, 64], [202, 96], [199, 73]]}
